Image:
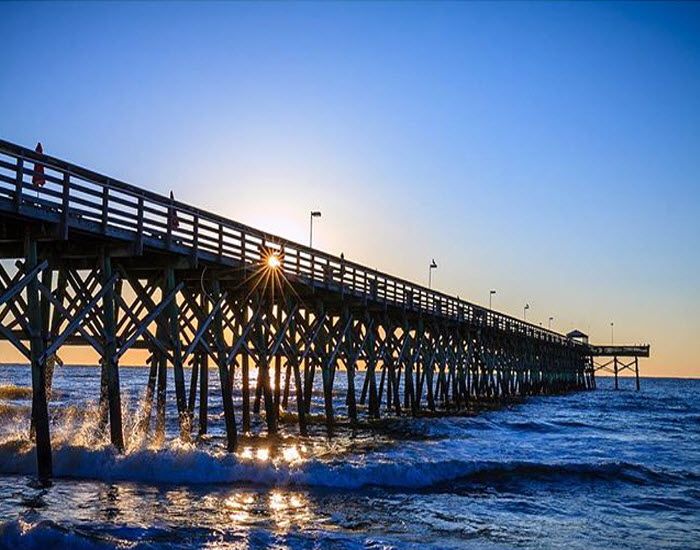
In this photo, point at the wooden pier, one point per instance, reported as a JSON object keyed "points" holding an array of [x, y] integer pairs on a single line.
{"points": [[616, 359], [92, 261]]}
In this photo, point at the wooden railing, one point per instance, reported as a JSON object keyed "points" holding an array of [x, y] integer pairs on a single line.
{"points": [[79, 198], [640, 350]]}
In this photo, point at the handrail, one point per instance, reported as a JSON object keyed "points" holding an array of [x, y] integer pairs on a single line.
{"points": [[76, 192]]}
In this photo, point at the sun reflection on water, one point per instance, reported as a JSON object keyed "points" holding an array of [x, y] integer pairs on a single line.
{"points": [[291, 454], [262, 454], [281, 454]]}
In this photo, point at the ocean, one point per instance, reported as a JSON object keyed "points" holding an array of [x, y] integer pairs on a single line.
{"points": [[590, 470]]}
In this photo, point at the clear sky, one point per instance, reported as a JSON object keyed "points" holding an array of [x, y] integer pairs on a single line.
{"points": [[550, 151]]}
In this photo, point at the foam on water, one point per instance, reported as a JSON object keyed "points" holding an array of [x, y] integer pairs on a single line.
{"points": [[405, 465]]}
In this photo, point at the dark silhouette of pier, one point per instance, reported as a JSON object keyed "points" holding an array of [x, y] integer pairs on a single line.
{"points": [[105, 264]]}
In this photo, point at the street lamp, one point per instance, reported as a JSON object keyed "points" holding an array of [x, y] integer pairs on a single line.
{"points": [[527, 306], [433, 265], [612, 333], [491, 293], [549, 325], [314, 214]]}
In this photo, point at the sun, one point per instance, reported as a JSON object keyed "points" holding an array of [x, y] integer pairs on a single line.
{"points": [[274, 261]]}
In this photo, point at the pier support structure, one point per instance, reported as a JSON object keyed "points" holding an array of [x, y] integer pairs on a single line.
{"points": [[617, 359]]}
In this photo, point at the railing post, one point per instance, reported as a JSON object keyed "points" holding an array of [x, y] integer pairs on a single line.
{"points": [[195, 237], [105, 208], [221, 241], [342, 275], [169, 226], [18, 183], [139, 227], [65, 205]]}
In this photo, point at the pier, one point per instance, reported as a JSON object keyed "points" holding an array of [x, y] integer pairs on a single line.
{"points": [[92, 261]]}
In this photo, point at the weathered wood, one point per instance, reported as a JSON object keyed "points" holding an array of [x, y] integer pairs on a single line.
{"points": [[40, 413], [226, 396], [145, 420], [109, 361], [176, 354], [203, 392]]}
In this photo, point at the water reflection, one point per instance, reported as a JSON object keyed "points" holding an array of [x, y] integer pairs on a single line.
{"points": [[239, 512], [277, 454]]}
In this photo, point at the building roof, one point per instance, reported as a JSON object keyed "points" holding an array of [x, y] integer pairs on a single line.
{"points": [[576, 334]]}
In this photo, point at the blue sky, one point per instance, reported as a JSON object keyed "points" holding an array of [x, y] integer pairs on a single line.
{"points": [[550, 151]]}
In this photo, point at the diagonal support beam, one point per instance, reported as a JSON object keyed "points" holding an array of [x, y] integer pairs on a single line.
{"points": [[79, 327], [78, 319], [24, 281], [242, 338], [203, 328], [143, 327]]}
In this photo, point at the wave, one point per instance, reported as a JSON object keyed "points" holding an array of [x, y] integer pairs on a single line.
{"points": [[179, 463], [39, 535], [31, 533], [12, 391]]}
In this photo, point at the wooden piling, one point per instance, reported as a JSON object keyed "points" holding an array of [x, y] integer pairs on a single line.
{"points": [[145, 421], [203, 393], [226, 394], [175, 346], [40, 413], [109, 362], [162, 379]]}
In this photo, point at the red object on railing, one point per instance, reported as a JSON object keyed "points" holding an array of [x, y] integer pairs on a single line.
{"points": [[38, 178]]}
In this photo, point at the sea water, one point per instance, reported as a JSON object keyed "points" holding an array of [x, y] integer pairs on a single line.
{"points": [[602, 469]]}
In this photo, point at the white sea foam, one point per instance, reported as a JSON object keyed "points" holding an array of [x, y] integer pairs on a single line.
{"points": [[180, 463], [183, 463]]}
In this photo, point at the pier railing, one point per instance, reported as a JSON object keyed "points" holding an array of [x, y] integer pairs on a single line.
{"points": [[40, 186]]}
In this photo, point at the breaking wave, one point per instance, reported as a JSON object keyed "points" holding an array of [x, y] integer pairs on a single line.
{"points": [[12, 391], [48, 534], [179, 463]]}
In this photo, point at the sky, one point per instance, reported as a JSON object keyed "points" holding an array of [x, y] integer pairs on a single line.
{"points": [[549, 151]]}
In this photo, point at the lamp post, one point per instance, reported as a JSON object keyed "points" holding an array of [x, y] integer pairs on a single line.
{"points": [[433, 265], [314, 214], [612, 333], [527, 306], [491, 293], [549, 324]]}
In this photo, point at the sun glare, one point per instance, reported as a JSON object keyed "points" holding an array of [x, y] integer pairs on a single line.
{"points": [[274, 261]]}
